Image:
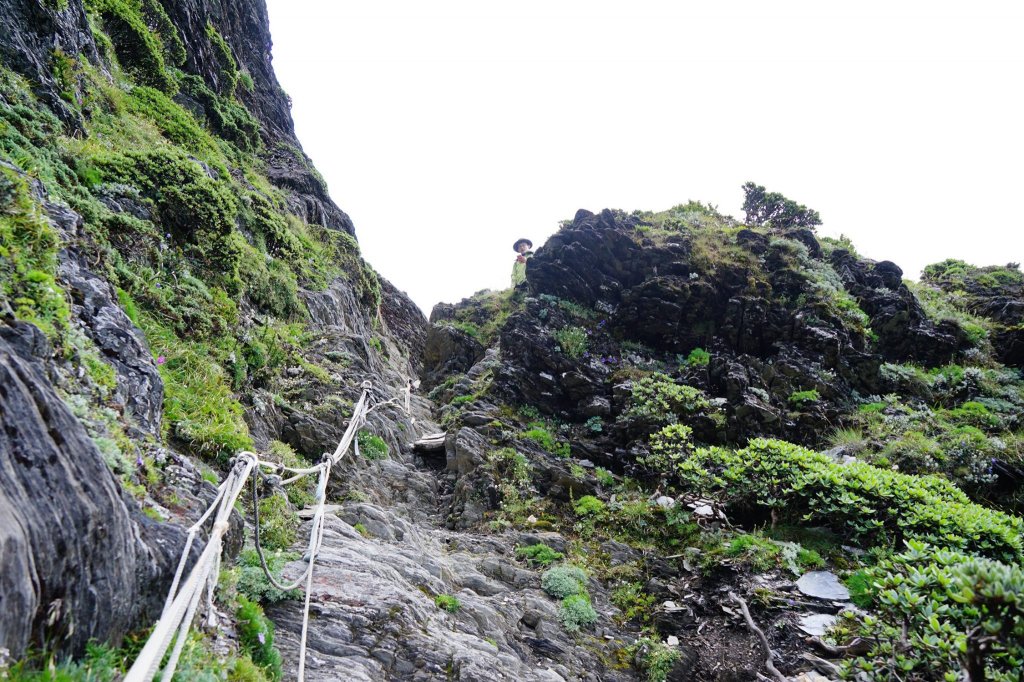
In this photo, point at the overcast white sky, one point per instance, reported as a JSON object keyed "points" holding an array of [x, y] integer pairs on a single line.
{"points": [[448, 129]]}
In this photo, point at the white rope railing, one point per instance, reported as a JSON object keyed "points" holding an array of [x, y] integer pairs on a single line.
{"points": [[182, 604]]}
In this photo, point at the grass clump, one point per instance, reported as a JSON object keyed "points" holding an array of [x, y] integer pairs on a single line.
{"points": [[28, 256], [447, 602], [199, 407], [251, 582], [801, 399], [278, 523], [140, 51], [539, 554], [372, 447], [589, 506], [539, 434], [572, 341], [256, 635]]}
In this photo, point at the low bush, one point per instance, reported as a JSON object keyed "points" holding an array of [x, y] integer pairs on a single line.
{"points": [[658, 398], [857, 500], [539, 554], [938, 614], [252, 582], [572, 341], [564, 581], [655, 658], [634, 602], [576, 612], [588, 505]]}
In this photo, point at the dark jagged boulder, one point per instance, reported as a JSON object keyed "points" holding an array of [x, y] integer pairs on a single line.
{"points": [[905, 333]]}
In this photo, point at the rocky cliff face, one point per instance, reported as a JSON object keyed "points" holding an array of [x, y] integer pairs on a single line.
{"points": [[176, 285]]}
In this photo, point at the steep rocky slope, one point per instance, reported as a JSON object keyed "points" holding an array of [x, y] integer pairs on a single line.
{"points": [[606, 467]]}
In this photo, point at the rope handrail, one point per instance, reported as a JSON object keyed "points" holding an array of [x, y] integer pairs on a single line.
{"points": [[181, 604]]}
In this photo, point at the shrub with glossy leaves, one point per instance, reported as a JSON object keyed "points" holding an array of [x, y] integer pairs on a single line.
{"points": [[659, 398], [858, 500], [941, 615]]}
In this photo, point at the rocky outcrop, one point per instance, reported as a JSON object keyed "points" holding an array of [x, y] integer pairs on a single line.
{"points": [[904, 331], [31, 31], [139, 387], [81, 561]]}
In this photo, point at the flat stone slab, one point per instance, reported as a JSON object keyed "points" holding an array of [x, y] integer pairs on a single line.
{"points": [[816, 624], [823, 585]]}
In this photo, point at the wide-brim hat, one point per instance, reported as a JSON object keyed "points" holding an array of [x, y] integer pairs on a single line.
{"points": [[529, 244]]}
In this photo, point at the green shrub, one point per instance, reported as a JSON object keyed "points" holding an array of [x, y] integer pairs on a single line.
{"points": [[278, 523], [196, 210], [804, 398], [576, 612], [572, 341], [544, 438], [669, 446], [226, 59], [226, 116], [658, 398], [655, 658], [252, 582], [773, 209], [539, 554], [256, 635], [595, 424], [634, 602], [698, 357], [447, 602], [938, 614], [372, 447], [564, 581], [855, 499], [588, 505]]}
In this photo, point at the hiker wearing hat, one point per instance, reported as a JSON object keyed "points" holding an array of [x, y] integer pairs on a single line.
{"points": [[521, 247]]}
